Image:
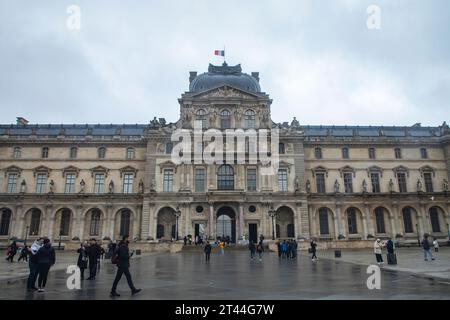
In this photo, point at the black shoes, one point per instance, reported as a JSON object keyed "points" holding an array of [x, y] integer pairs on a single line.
{"points": [[135, 291], [114, 294]]}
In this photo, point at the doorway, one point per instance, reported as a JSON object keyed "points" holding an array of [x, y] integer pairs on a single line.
{"points": [[253, 232], [226, 224]]}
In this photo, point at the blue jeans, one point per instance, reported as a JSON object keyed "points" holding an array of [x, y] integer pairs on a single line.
{"points": [[34, 271], [426, 253]]}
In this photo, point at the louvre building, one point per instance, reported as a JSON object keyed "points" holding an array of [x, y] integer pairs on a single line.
{"points": [[343, 185]]}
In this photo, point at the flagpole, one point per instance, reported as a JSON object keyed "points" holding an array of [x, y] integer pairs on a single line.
{"points": [[224, 61]]}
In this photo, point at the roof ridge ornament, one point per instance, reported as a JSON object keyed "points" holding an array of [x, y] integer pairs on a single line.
{"points": [[225, 69]]}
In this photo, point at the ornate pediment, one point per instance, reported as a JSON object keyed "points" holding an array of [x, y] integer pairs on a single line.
{"points": [[225, 92], [13, 169], [401, 169], [70, 169], [99, 169], [284, 164], [167, 165], [373, 169], [41, 169], [319, 169], [128, 169], [347, 169], [427, 168]]}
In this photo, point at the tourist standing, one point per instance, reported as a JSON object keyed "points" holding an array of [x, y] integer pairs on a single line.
{"points": [[280, 250], [436, 245], [426, 248], [260, 250], [377, 248], [23, 254], [123, 266], [222, 247], [207, 250], [294, 246], [45, 258], [313, 250], [252, 248], [82, 262], [33, 265], [12, 251], [93, 252]]}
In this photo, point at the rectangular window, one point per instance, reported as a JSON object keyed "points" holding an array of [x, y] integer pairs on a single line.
{"points": [[282, 180], [17, 153], [398, 153], [323, 221], [401, 177], [251, 179], [70, 183], [40, 182], [320, 182], [423, 153], [379, 217], [168, 180], [428, 182], [348, 182], [434, 217], [128, 182], [407, 220], [371, 153], [375, 179], [45, 152], [73, 152], [352, 222], [99, 183], [130, 153], [12, 182], [345, 153], [199, 179]]}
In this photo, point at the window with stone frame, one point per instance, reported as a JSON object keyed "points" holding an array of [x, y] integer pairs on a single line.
{"points": [[130, 153], [101, 152], [345, 153], [323, 221], [70, 183], [423, 153], [225, 177], [282, 180], [125, 222], [35, 222], [407, 220], [17, 152], [352, 221], [375, 181], [45, 151], [398, 153], [434, 218], [12, 182], [99, 183], [128, 180], [200, 118], [401, 178], [281, 148], [427, 177], [320, 183], [94, 229], [5, 221], [251, 179], [250, 119], [73, 152], [379, 218], [168, 180], [64, 226], [318, 153], [200, 179], [41, 180], [225, 119], [348, 182], [371, 153]]}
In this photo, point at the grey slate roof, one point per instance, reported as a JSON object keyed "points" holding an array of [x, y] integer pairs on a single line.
{"points": [[75, 129]]}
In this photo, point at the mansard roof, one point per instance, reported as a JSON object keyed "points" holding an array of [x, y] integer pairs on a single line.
{"points": [[372, 131]]}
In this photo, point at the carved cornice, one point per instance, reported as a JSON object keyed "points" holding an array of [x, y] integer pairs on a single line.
{"points": [[319, 169], [346, 169], [401, 169], [41, 169], [427, 169], [167, 165], [373, 169], [99, 169], [70, 169], [13, 169], [128, 169]]}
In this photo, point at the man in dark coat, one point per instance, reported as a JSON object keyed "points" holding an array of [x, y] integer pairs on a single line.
{"points": [[93, 252], [82, 262], [123, 265], [12, 251], [207, 250], [252, 248], [390, 246]]}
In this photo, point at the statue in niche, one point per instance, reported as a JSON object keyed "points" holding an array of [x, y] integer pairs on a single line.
{"points": [[391, 185], [51, 187], [111, 187], [153, 185], [364, 186], [238, 116], [308, 186], [23, 186], [419, 185], [336, 186], [82, 186], [141, 186], [296, 184]]}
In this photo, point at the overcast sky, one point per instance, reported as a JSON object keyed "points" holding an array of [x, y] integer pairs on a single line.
{"points": [[318, 61]]}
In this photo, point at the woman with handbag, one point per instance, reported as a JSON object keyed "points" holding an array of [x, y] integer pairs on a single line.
{"points": [[82, 259]]}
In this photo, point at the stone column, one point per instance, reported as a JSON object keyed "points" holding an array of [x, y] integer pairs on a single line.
{"points": [[212, 225], [76, 232], [336, 226], [424, 220], [19, 221], [187, 221], [369, 220], [241, 220], [106, 223], [340, 229], [145, 221], [82, 222], [45, 225], [297, 225], [153, 227], [395, 224], [137, 221], [263, 222]]}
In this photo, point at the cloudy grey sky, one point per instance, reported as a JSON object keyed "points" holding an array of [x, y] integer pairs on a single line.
{"points": [[317, 59]]}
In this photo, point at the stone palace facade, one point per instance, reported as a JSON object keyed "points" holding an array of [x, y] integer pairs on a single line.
{"points": [[343, 185]]}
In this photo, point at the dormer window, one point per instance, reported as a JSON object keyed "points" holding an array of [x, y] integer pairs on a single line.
{"points": [[101, 152], [225, 119]]}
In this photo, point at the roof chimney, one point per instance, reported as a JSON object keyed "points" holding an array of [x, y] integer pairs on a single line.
{"points": [[21, 121], [192, 75], [255, 75]]}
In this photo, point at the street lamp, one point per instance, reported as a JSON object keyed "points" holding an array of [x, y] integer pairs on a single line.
{"points": [[272, 214], [177, 215], [26, 235]]}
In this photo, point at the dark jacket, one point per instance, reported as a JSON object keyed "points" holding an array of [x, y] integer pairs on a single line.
{"points": [[123, 255], [46, 255], [260, 247], [94, 252], [313, 246], [82, 258], [207, 248], [390, 246], [13, 248], [251, 246], [425, 244]]}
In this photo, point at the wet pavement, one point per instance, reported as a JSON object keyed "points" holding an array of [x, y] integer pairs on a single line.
{"points": [[234, 276]]}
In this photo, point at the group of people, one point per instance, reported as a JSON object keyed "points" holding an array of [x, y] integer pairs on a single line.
{"points": [[42, 257], [287, 249], [89, 256], [256, 248]]}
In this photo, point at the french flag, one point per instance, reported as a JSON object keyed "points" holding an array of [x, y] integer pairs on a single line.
{"points": [[219, 53]]}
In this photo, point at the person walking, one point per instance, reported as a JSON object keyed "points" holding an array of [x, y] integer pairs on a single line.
{"points": [[82, 262], [12, 251], [23, 254], [313, 250], [252, 248], [185, 240], [260, 250], [295, 247], [122, 257], [377, 248], [33, 265], [426, 248], [207, 250], [280, 250], [222, 247], [93, 252], [46, 258], [436, 245]]}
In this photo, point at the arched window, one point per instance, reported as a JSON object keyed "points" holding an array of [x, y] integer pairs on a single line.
{"points": [[45, 152], [407, 220], [130, 153], [5, 222], [101, 152], [35, 222], [434, 217], [65, 222], [95, 222], [200, 117], [352, 221], [323, 221], [73, 152], [225, 177], [225, 117], [125, 218], [379, 217], [281, 148], [250, 119], [318, 153]]}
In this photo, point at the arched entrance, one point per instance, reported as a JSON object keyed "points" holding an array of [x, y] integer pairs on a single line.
{"points": [[226, 224], [165, 228], [285, 223]]}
